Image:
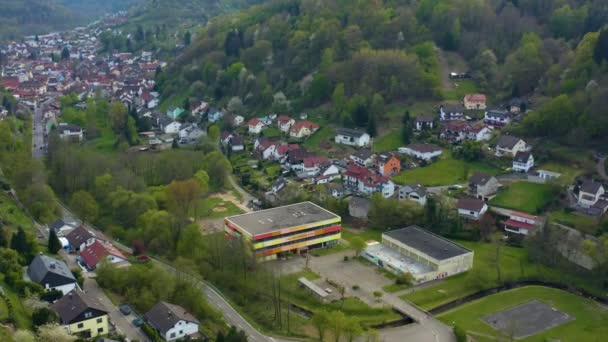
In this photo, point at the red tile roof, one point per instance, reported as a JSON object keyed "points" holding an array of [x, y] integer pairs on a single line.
{"points": [[475, 97], [519, 224], [299, 125], [96, 252], [254, 122]]}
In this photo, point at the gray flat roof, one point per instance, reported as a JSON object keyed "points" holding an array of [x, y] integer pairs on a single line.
{"points": [[269, 220], [428, 243]]}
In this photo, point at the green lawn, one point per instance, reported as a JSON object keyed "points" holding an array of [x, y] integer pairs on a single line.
{"points": [[12, 214], [525, 196], [272, 133], [323, 136], [388, 142], [581, 222], [589, 323], [569, 172], [22, 314], [366, 234], [445, 171], [461, 88], [392, 288], [515, 265], [207, 208]]}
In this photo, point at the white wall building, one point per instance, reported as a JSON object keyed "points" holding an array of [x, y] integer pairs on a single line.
{"points": [[421, 151]]}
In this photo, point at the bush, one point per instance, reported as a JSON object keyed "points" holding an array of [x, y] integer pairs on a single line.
{"points": [[356, 287], [51, 296], [77, 272], [461, 334], [43, 316], [26, 288], [151, 333], [346, 258]]}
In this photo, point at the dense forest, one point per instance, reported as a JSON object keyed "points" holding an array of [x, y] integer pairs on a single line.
{"points": [[25, 17], [340, 55]]}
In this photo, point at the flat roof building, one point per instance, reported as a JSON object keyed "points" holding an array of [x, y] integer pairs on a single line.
{"points": [[419, 252], [291, 228]]}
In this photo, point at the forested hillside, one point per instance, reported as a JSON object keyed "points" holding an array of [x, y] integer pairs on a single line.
{"points": [[25, 17], [343, 54]]}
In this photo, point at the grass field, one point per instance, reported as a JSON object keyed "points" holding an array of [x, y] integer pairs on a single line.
{"points": [[515, 265], [569, 173], [525, 196], [388, 142], [10, 213], [581, 222], [207, 208], [22, 315], [323, 135], [445, 171], [461, 88], [589, 323]]}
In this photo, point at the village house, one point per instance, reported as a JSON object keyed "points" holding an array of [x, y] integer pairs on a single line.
{"points": [[80, 238], [471, 208], [190, 133], [498, 117], [61, 227], [172, 322], [509, 145], [283, 150], [267, 149], [352, 137], [82, 314], [423, 122], [454, 131], [284, 123], [592, 196], [358, 207], [327, 173], [474, 101], [52, 274], [363, 157], [199, 108], [99, 251], [522, 223], [237, 143], [479, 132], [215, 115], [255, 126], [448, 112], [483, 186], [366, 181], [303, 129], [336, 190], [68, 132], [311, 166], [423, 151], [225, 138], [523, 161], [413, 192], [172, 128], [387, 164]]}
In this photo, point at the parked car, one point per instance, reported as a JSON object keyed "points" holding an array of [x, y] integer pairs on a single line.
{"points": [[125, 309], [138, 322], [455, 187]]}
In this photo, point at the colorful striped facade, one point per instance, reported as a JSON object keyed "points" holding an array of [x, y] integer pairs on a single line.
{"points": [[297, 239]]}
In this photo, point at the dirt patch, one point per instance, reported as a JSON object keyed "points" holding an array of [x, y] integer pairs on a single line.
{"points": [[219, 209]]}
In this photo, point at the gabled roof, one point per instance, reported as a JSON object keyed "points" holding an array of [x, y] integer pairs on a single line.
{"points": [[283, 119], [302, 124], [452, 108], [363, 154], [254, 122], [522, 157], [471, 204], [507, 141], [96, 252], [480, 178], [163, 316], [417, 188], [424, 147], [475, 97], [79, 236], [42, 265], [590, 186], [425, 118], [72, 305], [347, 132], [314, 161]]}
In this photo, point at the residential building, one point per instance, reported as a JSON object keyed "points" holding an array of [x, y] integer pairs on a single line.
{"points": [[522, 223], [423, 122], [592, 195], [413, 192], [172, 128], [363, 157], [423, 151], [471, 208], [200, 107], [509, 145], [358, 207], [422, 254], [81, 314], [175, 112], [215, 115], [62, 227], [267, 149], [284, 123], [190, 133], [225, 138], [498, 117], [303, 129], [255, 126], [474, 101], [479, 132], [483, 186], [388, 164], [237, 143], [352, 137], [172, 322], [80, 238], [70, 133], [523, 161], [52, 274], [448, 112], [327, 173], [295, 228], [366, 181], [100, 251], [336, 190], [312, 165]]}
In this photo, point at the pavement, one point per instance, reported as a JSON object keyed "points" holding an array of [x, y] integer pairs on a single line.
{"points": [[39, 141]]}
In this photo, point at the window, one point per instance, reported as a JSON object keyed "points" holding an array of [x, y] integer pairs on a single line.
{"points": [[100, 330], [80, 325], [100, 319], [181, 332], [172, 335], [88, 314]]}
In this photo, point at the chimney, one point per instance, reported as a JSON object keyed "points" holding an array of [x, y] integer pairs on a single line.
{"points": [[52, 265], [169, 314]]}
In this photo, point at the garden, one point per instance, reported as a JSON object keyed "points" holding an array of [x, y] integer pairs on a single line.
{"points": [[528, 197]]}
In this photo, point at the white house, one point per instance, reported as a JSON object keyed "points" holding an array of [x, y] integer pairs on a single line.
{"points": [[474, 101], [173, 128], [363, 157], [413, 192], [448, 112], [590, 193], [548, 175], [238, 120], [422, 151], [509, 145], [327, 173], [70, 132], [523, 161], [423, 122], [471, 208], [479, 132], [172, 322], [284, 123], [255, 126], [498, 117], [522, 223], [51, 273], [352, 137], [267, 149]]}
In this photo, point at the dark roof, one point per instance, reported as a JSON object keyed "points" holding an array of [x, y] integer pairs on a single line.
{"points": [[385, 156], [507, 141], [79, 236], [72, 305], [43, 265], [480, 178], [417, 188], [452, 108], [68, 128], [360, 202], [163, 316], [424, 147], [590, 187], [274, 219], [350, 132], [427, 242], [363, 154], [425, 118], [522, 157], [58, 225], [471, 204], [498, 113]]}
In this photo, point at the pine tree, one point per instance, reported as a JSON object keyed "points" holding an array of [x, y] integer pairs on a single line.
{"points": [[19, 242], [371, 125], [406, 130], [3, 238], [54, 244], [187, 38], [600, 53]]}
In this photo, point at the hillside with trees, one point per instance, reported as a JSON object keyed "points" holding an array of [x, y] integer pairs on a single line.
{"points": [[338, 56]]}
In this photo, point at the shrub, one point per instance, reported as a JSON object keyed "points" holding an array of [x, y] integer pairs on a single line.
{"points": [[51, 296], [356, 287], [346, 258], [151, 333]]}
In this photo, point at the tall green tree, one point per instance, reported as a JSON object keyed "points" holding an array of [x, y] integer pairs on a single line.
{"points": [[85, 206], [187, 38], [54, 245]]}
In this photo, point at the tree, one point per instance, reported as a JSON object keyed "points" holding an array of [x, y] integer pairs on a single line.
{"points": [[54, 333], [372, 129], [43, 316], [54, 245], [487, 226], [406, 130], [202, 179], [378, 295], [600, 52], [3, 238], [358, 244], [118, 117], [337, 322], [339, 99], [235, 105], [183, 198], [140, 35], [65, 54], [23, 244], [352, 329], [24, 336], [187, 38], [321, 321], [85, 206]]}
